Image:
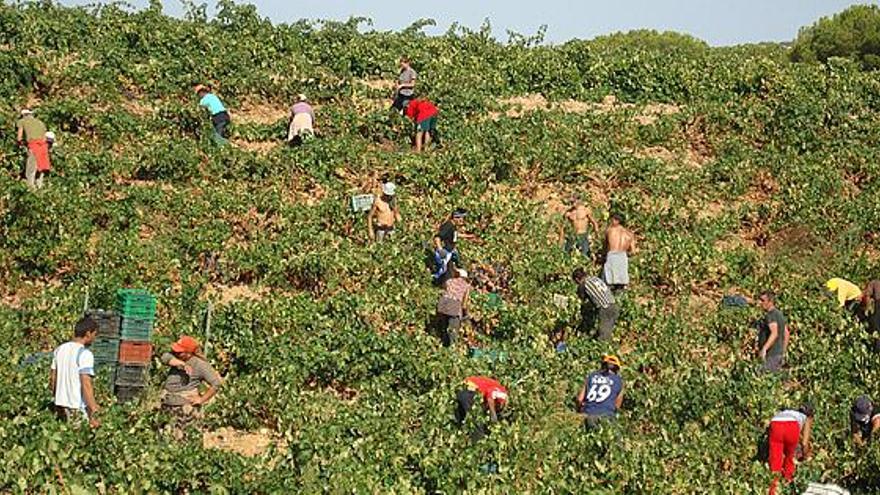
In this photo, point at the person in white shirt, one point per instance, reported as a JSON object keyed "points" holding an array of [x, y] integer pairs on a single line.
{"points": [[73, 368]]}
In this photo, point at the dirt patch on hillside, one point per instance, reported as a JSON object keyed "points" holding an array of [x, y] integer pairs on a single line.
{"points": [[699, 150], [137, 107], [656, 153], [244, 443], [225, 294], [380, 84], [259, 147], [259, 113], [518, 106]]}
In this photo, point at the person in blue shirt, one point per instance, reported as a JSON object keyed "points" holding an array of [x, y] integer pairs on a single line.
{"points": [[602, 394], [219, 116]]}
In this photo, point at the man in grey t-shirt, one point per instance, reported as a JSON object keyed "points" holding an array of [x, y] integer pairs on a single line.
{"points": [[773, 334], [406, 83], [189, 370]]}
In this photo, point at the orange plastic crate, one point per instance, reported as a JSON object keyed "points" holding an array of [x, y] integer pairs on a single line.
{"points": [[135, 352]]}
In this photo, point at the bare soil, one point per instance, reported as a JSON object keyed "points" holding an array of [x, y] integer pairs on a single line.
{"points": [[517, 106], [225, 294], [248, 444], [263, 113]]}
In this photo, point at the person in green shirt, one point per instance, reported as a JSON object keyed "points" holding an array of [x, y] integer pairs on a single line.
{"points": [[31, 133]]}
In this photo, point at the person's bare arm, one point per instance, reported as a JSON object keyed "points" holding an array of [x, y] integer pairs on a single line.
{"points": [[771, 339], [209, 394], [370, 216], [805, 438], [396, 212], [631, 248], [53, 379], [593, 221], [20, 135], [619, 401], [88, 392], [177, 363], [492, 413], [579, 401]]}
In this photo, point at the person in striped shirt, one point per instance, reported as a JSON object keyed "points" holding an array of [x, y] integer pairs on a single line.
{"points": [[597, 300]]}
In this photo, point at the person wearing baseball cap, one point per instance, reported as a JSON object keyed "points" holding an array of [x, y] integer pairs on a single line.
{"points": [[384, 214], [302, 121], [602, 393], [864, 420], [219, 115], [189, 371]]}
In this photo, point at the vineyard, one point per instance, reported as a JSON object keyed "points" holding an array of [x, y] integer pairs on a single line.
{"points": [[738, 170]]}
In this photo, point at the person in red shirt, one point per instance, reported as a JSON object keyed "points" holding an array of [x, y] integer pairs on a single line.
{"points": [[424, 114], [494, 397]]}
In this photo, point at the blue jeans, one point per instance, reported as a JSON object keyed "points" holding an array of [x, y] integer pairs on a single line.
{"points": [[581, 242]]}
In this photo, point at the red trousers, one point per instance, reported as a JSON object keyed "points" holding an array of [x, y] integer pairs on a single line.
{"points": [[784, 438]]}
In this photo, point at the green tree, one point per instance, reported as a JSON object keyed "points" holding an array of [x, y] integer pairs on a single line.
{"points": [[853, 33]]}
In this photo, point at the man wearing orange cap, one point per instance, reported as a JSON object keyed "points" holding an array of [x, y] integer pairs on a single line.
{"points": [[189, 370], [602, 393]]}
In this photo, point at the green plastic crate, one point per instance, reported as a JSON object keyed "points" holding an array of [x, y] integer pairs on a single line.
{"points": [[105, 350], [139, 329], [131, 375], [136, 303]]}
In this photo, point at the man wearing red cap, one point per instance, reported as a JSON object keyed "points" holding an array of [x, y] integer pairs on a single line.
{"points": [[189, 370]]}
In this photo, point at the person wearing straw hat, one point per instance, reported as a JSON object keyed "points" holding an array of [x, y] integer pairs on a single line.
{"points": [[384, 214], [601, 396], [864, 420], [190, 370], [31, 133], [219, 115], [302, 121]]}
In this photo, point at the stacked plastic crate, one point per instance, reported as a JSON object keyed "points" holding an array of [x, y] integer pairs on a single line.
{"points": [[138, 311], [105, 348]]}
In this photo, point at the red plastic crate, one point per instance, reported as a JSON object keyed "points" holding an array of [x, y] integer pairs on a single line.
{"points": [[135, 352]]}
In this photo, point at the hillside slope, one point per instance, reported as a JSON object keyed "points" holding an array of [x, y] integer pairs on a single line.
{"points": [[738, 171]]}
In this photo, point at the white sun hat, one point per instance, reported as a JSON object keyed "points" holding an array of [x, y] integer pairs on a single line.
{"points": [[388, 188]]}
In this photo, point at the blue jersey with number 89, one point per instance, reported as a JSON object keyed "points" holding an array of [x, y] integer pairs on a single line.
{"points": [[601, 394]]}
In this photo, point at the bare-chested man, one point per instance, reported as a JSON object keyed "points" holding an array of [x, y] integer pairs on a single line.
{"points": [[581, 218], [619, 242], [384, 214]]}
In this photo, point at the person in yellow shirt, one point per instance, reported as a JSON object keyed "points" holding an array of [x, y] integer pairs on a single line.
{"points": [[846, 290]]}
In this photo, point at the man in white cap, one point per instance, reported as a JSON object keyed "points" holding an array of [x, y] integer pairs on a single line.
{"points": [[302, 121], [32, 134], [384, 214]]}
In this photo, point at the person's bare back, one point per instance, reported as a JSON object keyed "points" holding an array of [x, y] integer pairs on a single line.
{"points": [[619, 238]]}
